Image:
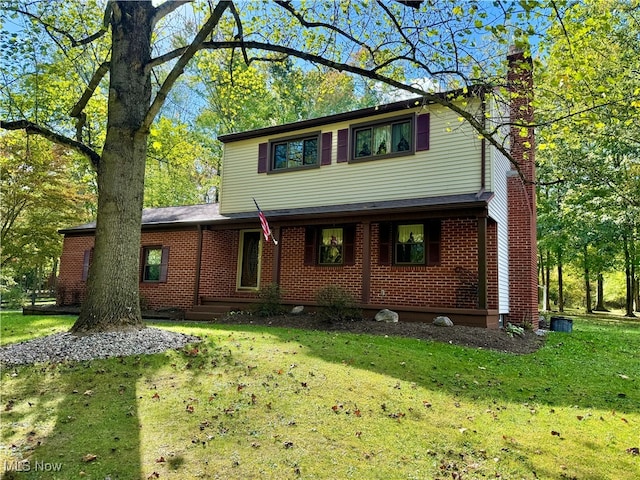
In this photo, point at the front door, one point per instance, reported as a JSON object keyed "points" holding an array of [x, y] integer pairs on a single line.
{"points": [[249, 259]]}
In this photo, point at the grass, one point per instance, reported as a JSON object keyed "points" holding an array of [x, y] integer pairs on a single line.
{"points": [[256, 402]]}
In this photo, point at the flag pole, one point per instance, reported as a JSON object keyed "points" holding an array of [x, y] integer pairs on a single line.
{"points": [[265, 224]]}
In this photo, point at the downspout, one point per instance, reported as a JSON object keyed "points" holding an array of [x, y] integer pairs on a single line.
{"points": [[482, 261], [482, 219], [366, 262], [196, 288], [483, 142], [277, 263]]}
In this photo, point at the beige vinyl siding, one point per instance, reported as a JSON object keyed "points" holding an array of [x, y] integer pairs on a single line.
{"points": [[498, 166], [450, 166]]}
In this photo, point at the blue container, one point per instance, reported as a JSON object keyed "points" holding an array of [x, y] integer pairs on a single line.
{"points": [[561, 324]]}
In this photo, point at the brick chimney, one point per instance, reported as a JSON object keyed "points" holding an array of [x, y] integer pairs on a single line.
{"points": [[521, 193]]}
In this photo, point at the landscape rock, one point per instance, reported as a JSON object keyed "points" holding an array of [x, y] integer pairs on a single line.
{"points": [[297, 310], [442, 321], [387, 316]]}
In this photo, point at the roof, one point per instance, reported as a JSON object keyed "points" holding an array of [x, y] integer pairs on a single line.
{"points": [[209, 214], [166, 216], [352, 115]]}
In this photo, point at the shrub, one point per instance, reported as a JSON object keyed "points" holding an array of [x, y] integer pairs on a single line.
{"points": [[337, 304], [269, 301], [13, 297]]}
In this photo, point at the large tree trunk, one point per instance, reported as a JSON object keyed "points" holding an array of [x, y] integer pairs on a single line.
{"points": [[113, 300]]}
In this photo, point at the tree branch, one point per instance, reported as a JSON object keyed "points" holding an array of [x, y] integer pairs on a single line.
{"points": [[32, 128], [166, 8], [184, 59], [427, 97], [51, 28], [91, 88]]}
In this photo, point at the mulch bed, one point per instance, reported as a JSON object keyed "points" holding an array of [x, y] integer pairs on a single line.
{"points": [[459, 335]]}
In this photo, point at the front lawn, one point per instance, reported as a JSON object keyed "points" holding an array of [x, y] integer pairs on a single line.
{"points": [[263, 402]]}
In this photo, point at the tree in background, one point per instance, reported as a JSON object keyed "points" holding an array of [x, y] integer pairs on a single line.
{"points": [[589, 138], [181, 169], [40, 191]]}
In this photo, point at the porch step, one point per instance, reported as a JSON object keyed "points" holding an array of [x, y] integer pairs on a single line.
{"points": [[202, 316], [206, 312]]}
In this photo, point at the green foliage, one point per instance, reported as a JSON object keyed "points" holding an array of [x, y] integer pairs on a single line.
{"points": [[269, 301], [11, 294], [41, 193], [514, 330], [181, 169], [337, 304]]}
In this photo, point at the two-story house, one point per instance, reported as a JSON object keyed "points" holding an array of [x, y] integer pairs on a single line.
{"points": [[403, 205]]}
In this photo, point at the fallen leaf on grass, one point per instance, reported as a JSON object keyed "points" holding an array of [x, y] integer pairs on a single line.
{"points": [[154, 475], [190, 408], [160, 460], [553, 432], [89, 457], [88, 393], [633, 450], [155, 396]]}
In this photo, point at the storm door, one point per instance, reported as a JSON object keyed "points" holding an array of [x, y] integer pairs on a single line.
{"points": [[249, 259]]}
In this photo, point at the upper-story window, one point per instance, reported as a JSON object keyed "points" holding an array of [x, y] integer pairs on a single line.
{"points": [[294, 153], [384, 139]]}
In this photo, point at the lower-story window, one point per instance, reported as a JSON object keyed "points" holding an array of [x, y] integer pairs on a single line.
{"points": [[329, 245], [155, 262], [410, 243]]}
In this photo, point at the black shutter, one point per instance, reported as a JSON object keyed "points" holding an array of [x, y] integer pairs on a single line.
{"points": [[349, 241], [262, 157], [385, 242], [422, 132], [164, 264], [143, 263], [433, 242], [343, 145], [86, 262], [327, 139], [310, 235]]}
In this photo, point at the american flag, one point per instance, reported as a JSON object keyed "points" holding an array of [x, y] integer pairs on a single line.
{"points": [[265, 225]]}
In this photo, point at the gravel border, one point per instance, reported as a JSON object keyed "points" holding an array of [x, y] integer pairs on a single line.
{"points": [[61, 347]]}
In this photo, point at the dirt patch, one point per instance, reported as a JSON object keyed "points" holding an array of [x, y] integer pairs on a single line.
{"points": [[458, 335]]}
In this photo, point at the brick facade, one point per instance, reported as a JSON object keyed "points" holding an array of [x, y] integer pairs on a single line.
{"points": [[176, 292]]}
